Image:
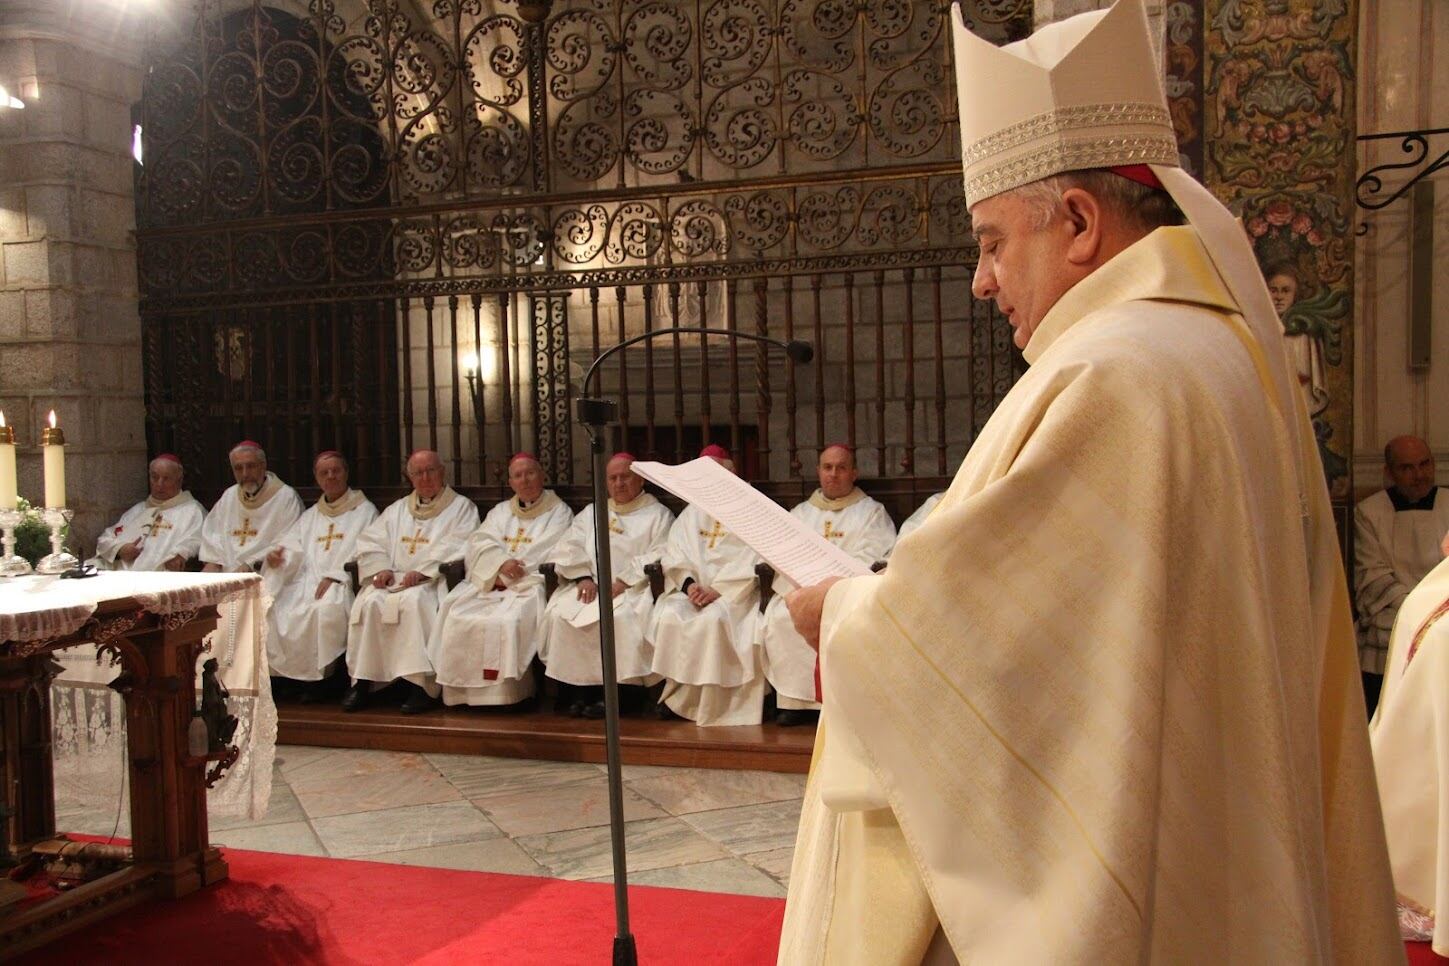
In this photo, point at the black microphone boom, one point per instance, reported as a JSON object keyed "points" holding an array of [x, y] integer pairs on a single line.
{"points": [[596, 414]]}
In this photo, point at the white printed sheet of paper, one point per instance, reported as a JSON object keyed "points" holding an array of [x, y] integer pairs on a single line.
{"points": [[786, 543], [587, 616]]}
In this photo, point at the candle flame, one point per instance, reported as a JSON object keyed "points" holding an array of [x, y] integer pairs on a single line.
{"points": [[2, 419], [52, 419]]}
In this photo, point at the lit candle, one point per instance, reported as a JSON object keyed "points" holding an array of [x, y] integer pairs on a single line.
{"points": [[7, 466], [470, 364], [52, 443]]}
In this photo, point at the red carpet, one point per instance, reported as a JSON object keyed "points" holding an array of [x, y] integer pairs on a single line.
{"points": [[293, 909]]}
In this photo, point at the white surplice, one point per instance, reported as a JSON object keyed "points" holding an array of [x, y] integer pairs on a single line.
{"points": [[387, 633], [862, 528], [1410, 738], [485, 638], [708, 657], [305, 635], [1392, 551], [638, 533], [238, 533], [919, 517], [169, 528]]}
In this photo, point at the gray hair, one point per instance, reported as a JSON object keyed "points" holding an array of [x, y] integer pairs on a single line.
{"points": [[1143, 207]]}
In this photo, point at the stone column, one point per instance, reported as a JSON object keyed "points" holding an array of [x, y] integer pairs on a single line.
{"points": [[70, 332]]}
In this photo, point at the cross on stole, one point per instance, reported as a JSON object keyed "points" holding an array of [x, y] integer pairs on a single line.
{"points": [[831, 533], [614, 526], [414, 540], [328, 537], [515, 541], [714, 534], [245, 532], [158, 523]]}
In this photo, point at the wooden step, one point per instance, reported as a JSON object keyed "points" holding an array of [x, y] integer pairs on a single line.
{"points": [[541, 734]]}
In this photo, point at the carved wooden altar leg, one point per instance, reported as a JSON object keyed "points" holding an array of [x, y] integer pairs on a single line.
{"points": [[25, 767], [168, 797]]}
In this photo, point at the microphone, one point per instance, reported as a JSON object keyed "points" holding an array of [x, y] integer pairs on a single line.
{"points": [[799, 352]]}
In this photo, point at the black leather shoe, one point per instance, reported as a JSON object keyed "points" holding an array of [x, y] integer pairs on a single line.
{"points": [[356, 697], [789, 717], [594, 711], [418, 702], [576, 710]]}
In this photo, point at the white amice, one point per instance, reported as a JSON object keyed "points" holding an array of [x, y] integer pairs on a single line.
{"points": [[638, 533], [305, 633], [489, 626]]}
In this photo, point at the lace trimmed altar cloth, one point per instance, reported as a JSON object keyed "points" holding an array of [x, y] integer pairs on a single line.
{"points": [[89, 719]]}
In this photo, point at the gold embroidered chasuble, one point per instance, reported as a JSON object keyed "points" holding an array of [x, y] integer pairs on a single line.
{"points": [[1410, 736], [1102, 706]]}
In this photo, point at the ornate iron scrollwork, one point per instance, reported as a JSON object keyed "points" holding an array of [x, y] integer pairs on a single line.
{"points": [[1370, 191]]}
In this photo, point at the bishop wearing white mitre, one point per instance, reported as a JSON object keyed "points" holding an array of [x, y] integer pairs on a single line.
{"points": [[311, 593], [398, 561], [840, 512], [488, 630], [703, 628], [638, 531], [161, 532], [919, 517]]}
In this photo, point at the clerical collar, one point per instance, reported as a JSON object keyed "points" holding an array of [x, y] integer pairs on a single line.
{"points": [[624, 509], [820, 501], [348, 501], [270, 487], [530, 510], [1402, 503]]}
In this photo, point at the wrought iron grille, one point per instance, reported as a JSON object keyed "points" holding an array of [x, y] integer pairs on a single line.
{"points": [[340, 201]]}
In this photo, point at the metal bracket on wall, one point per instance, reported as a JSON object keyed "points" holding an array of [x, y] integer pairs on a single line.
{"points": [[1369, 190]]}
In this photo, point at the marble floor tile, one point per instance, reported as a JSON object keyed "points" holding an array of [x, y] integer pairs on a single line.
{"points": [[349, 781], [735, 876], [403, 829], [774, 863], [477, 775], [750, 828], [700, 790], [281, 807], [293, 838], [653, 844], [291, 757], [494, 855], [555, 808]]}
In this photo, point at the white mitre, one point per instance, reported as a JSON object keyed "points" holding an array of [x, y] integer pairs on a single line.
{"points": [[1085, 93]]}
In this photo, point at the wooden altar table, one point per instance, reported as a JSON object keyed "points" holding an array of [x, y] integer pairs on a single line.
{"points": [[154, 625]]}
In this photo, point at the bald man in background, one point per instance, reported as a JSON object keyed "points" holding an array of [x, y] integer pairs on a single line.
{"points": [[1398, 537]]}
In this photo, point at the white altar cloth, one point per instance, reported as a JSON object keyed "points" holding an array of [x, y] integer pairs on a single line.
{"points": [[88, 718]]}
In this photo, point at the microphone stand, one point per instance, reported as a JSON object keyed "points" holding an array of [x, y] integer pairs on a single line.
{"points": [[596, 414]]}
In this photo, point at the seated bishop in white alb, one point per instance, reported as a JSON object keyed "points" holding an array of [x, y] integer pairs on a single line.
{"points": [[249, 519], [398, 561], [251, 516], [1410, 738], [311, 592], [703, 628], [638, 531], [840, 512], [489, 627], [161, 532], [919, 517]]}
